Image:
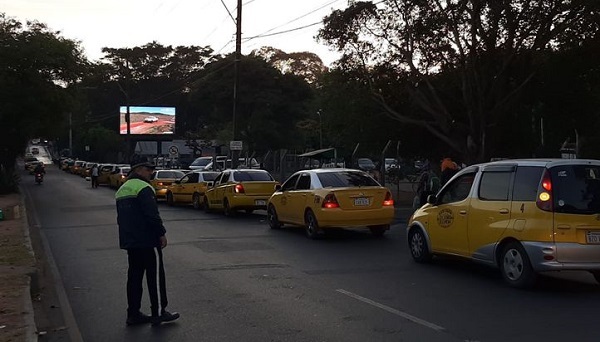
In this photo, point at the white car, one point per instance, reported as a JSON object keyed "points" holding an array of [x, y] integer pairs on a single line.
{"points": [[151, 119]]}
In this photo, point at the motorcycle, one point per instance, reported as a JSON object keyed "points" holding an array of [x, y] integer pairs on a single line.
{"points": [[39, 178]]}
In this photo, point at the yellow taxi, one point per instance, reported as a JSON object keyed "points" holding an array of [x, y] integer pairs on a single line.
{"points": [[522, 216], [76, 167], [118, 176], [190, 188], [240, 189], [319, 199], [161, 179], [104, 172]]}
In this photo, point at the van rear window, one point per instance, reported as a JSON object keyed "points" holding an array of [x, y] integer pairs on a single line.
{"points": [[576, 189]]}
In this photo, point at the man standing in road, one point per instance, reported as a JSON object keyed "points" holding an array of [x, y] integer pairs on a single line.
{"points": [[94, 173], [141, 231]]}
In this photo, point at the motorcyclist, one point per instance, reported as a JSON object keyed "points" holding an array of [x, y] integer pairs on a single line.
{"points": [[39, 169]]}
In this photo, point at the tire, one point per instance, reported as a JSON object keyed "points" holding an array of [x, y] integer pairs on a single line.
{"points": [[417, 243], [227, 209], [596, 275], [207, 205], [311, 225], [379, 230], [170, 199], [515, 266], [196, 202], [272, 218]]}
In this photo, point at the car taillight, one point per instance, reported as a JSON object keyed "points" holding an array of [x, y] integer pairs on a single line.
{"points": [[544, 195], [238, 189], [388, 201], [159, 183], [330, 202]]}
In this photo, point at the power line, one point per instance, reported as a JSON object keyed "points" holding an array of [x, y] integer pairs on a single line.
{"points": [[281, 32], [228, 12]]}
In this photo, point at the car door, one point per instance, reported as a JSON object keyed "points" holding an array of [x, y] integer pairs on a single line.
{"points": [[221, 189], [297, 197], [490, 210], [282, 206], [449, 216]]}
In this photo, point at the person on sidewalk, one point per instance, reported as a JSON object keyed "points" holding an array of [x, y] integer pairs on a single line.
{"points": [[141, 231], [94, 173]]}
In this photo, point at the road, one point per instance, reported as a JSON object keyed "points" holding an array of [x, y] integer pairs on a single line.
{"points": [[237, 280]]}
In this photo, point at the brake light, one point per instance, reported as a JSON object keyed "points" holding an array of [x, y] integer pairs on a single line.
{"points": [[239, 189], [544, 196], [388, 201], [159, 184], [330, 202]]}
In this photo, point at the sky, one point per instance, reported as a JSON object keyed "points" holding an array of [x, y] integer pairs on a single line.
{"points": [[128, 23]]}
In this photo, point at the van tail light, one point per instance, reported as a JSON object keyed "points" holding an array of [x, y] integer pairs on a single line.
{"points": [[330, 202], [544, 199], [239, 189], [388, 201]]}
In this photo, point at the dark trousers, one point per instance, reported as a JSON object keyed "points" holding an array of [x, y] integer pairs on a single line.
{"points": [[141, 260], [94, 181]]}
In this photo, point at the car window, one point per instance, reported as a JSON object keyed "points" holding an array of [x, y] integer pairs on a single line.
{"points": [[184, 179], [495, 186], [576, 189], [225, 177], [527, 180], [458, 190], [209, 176], [201, 161], [290, 184], [344, 179], [192, 177], [252, 176], [303, 182], [169, 174]]}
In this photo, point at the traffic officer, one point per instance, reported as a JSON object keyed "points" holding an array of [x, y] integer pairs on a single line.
{"points": [[141, 231]]}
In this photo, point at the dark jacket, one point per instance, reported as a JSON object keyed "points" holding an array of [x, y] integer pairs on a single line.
{"points": [[140, 225]]}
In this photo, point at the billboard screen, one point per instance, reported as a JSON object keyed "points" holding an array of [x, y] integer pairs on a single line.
{"points": [[148, 120]]}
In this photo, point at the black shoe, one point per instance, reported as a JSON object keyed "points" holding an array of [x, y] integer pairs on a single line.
{"points": [[164, 317], [138, 319]]}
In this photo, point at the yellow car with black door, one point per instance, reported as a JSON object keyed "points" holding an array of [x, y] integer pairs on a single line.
{"points": [[190, 188], [522, 216], [240, 189], [319, 199]]}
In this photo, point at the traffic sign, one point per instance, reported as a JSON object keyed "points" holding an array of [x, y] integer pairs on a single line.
{"points": [[235, 145], [173, 150]]}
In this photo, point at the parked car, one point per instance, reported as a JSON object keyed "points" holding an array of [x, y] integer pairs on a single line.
{"points": [[240, 189], [365, 164], [118, 176], [326, 198], [521, 216], [200, 163], [190, 189], [150, 119], [29, 161], [35, 150], [160, 179]]}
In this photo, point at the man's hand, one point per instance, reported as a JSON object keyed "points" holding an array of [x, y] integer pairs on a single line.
{"points": [[163, 241]]}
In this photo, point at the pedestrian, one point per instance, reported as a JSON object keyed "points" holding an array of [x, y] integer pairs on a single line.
{"points": [[141, 231], [94, 173]]}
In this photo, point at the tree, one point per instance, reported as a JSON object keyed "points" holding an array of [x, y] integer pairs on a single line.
{"points": [[35, 66], [464, 63], [304, 64]]}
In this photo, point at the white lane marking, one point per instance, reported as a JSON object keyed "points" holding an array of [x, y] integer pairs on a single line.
{"points": [[393, 311]]}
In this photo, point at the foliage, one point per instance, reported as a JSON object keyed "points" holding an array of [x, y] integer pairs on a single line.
{"points": [[304, 64], [464, 64]]}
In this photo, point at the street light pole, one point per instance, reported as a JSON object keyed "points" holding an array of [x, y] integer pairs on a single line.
{"points": [[320, 130]]}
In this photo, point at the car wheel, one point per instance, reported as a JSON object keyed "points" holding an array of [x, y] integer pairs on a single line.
{"points": [[207, 205], [311, 225], [227, 208], [169, 199], [272, 218], [418, 246], [596, 275], [196, 201], [515, 266], [379, 230]]}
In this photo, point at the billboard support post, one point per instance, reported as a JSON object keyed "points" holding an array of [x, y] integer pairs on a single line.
{"points": [[128, 136]]}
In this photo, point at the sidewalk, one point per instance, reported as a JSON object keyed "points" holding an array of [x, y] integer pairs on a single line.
{"points": [[17, 273]]}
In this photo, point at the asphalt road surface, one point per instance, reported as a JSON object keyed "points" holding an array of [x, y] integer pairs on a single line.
{"points": [[237, 280]]}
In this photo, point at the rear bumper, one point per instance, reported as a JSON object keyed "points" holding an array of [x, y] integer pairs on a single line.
{"points": [[161, 193], [572, 256], [249, 202], [355, 218]]}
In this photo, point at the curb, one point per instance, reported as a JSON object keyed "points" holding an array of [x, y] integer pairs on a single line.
{"points": [[33, 282]]}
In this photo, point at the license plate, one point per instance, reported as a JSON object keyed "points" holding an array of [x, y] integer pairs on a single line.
{"points": [[592, 237], [361, 201], [260, 202]]}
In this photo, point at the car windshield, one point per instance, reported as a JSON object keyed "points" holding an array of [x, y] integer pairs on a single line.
{"points": [[201, 162], [576, 189], [252, 176], [28, 160], [210, 176], [345, 179], [169, 174]]}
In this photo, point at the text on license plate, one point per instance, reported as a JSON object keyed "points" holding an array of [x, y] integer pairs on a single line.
{"points": [[260, 202], [592, 237], [361, 201]]}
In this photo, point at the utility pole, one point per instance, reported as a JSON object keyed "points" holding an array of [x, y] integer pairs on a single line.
{"points": [[236, 81], [70, 134]]}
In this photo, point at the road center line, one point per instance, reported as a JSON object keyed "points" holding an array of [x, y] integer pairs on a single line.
{"points": [[393, 311]]}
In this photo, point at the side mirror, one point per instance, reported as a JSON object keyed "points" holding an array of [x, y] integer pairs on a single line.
{"points": [[431, 199], [209, 184], [277, 187]]}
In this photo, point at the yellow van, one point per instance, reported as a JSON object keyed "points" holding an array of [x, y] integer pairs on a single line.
{"points": [[522, 216]]}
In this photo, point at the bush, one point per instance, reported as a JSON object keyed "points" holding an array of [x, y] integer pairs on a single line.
{"points": [[9, 181]]}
